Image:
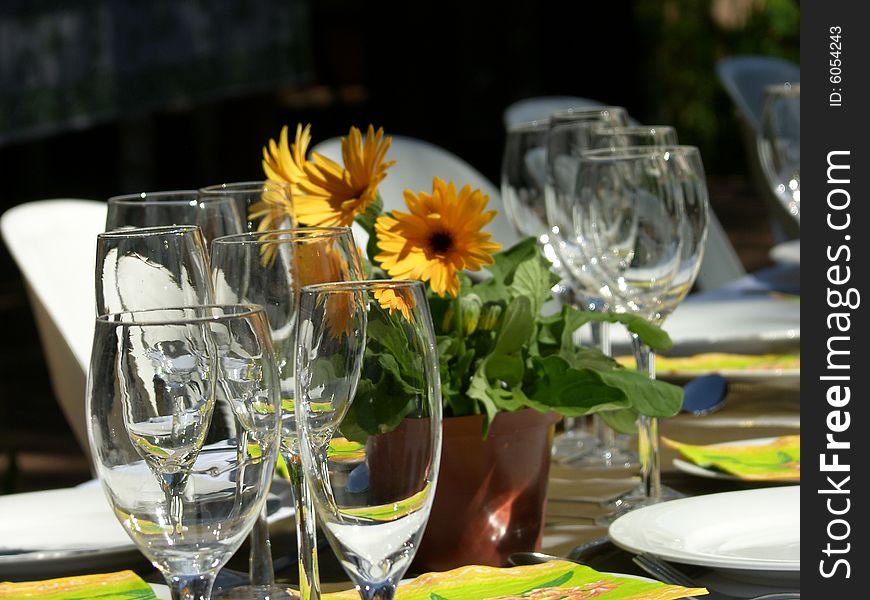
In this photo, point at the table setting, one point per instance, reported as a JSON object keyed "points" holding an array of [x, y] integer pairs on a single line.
{"points": [[421, 414]]}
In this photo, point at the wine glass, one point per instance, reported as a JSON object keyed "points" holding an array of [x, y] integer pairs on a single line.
{"points": [[609, 452], [605, 136], [151, 267], [638, 222], [570, 133], [214, 216], [369, 414], [779, 145], [269, 268], [254, 201], [186, 503]]}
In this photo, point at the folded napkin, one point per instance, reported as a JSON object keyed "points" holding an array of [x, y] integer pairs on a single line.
{"points": [[779, 459], [554, 580], [124, 584], [708, 362]]}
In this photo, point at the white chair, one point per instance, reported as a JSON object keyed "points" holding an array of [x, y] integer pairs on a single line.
{"points": [[53, 242], [417, 162]]}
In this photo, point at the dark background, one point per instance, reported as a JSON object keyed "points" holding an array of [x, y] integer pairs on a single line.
{"points": [[101, 97]]}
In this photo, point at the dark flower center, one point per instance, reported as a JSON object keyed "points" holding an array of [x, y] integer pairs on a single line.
{"points": [[441, 242]]}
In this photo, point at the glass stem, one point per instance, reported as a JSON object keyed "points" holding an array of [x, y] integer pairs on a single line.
{"points": [[261, 571], [601, 338], [306, 532], [372, 591], [191, 587], [648, 436]]}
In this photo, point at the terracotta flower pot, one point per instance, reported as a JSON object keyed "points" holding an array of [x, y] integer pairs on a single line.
{"points": [[491, 492]]}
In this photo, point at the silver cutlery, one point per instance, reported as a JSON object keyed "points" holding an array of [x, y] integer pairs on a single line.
{"points": [[668, 573]]}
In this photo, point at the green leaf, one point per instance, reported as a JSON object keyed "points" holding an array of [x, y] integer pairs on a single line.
{"points": [[572, 392], [507, 368], [651, 334], [506, 263], [623, 421], [534, 279], [517, 327], [649, 397], [479, 391]]}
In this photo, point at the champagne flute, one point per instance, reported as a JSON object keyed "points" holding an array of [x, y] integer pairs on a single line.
{"points": [[255, 200], [186, 503], [269, 268], [779, 145], [638, 221], [570, 133], [214, 216], [368, 407]]}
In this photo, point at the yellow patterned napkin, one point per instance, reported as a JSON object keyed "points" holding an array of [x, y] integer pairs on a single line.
{"points": [[554, 580], [124, 584], [711, 362], [778, 460]]}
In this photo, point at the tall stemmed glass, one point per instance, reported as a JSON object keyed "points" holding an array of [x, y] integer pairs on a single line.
{"points": [[262, 204], [779, 144], [606, 136], [269, 268], [367, 371], [570, 133], [639, 221], [187, 503], [215, 217]]}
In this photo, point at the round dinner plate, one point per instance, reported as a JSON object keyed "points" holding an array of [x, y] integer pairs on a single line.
{"points": [[60, 531], [751, 532], [693, 469]]}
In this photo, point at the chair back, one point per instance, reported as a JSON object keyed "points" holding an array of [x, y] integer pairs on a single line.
{"points": [[53, 242], [745, 77]]}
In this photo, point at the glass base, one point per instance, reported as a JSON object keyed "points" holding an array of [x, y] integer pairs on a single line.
{"points": [[632, 501], [572, 445], [256, 592], [605, 458]]}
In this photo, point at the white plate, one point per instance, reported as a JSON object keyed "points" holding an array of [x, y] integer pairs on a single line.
{"points": [[787, 253], [693, 469], [751, 533], [68, 531], [59, 531], [752, 324]]}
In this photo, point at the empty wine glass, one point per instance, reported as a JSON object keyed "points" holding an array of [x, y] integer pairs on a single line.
{"points": [[367, 377], [571, 132], [779, 145], [151, 267], [638, 222], [255, 200], [185, 502], [214, 216], [605, 136], [269, 268]]}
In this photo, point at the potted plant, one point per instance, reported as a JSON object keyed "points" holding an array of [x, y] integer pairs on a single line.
{"points": [[508, 370]]}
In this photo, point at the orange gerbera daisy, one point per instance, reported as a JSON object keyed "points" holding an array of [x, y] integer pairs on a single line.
{"points": [[440, 237], [333, 195]]}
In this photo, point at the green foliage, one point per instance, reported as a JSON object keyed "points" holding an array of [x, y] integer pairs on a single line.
{"points": [[687, 38], [498, 353]]}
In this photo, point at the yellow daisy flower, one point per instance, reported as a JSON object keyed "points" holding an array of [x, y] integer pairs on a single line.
{"points": [[440, 237], [330, 194]]}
